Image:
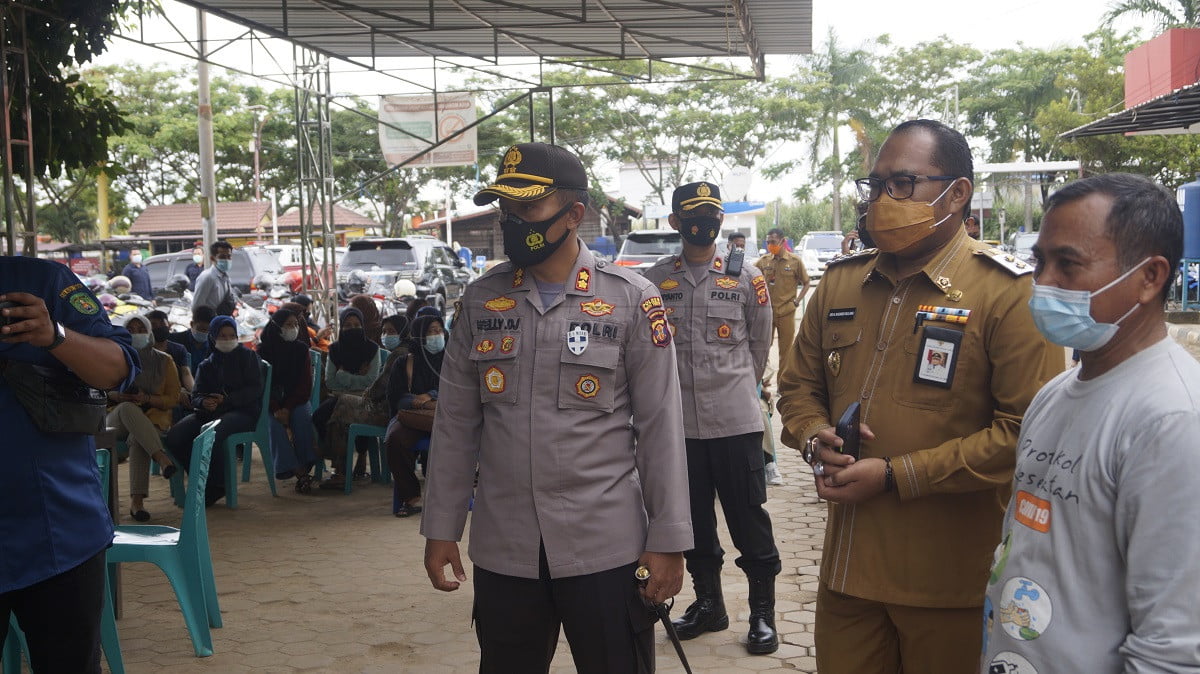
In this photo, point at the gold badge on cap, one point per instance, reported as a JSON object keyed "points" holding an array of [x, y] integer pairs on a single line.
{"points": [[511, 159], [835, 362], [703, 190]]}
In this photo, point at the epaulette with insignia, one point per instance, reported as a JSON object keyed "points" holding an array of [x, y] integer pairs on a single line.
{"points": [[1011, 263], [856, 255]]}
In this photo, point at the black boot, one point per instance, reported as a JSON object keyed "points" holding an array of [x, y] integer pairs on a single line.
{"points": [[762, 639], [707, 613]]}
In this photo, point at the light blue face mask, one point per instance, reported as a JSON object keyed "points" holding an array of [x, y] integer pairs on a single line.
{"points": [[390, 342], [1065, 316], [435, 343], [223, 265], [199, 336]]}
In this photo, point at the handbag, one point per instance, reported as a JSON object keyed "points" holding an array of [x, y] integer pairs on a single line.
{"points": [[56, 400]]}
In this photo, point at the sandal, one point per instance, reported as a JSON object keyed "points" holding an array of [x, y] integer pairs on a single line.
{"points": [[407, 510], [304, 483], [139, 515]]}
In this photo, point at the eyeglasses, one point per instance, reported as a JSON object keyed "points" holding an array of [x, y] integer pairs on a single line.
{"points": [[899, 186]]}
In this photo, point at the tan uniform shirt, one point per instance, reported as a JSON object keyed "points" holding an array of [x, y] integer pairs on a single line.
{"points": [[722, 330], [549, 424], [785, 275], [930, 542]]}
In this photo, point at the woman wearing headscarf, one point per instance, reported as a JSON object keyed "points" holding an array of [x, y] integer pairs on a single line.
{"points": [[372, 322], [142, 412], [293, 440], [412, 395], [352, 367], [229, 387]]}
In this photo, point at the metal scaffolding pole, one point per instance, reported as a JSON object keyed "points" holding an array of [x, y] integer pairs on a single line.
{"points": [[314, 166]]}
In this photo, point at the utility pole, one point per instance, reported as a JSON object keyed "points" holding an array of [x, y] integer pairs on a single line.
{"points": [[258, 125], [208, 177]]}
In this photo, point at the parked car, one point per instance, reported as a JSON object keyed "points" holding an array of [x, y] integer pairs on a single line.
{"points": [[816, 249], [1020, 244], [290, 257], [439, 274], [643, 248], [249, 263]]}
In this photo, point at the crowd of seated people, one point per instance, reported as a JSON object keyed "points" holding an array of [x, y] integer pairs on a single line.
{"points": [[381, 371]]}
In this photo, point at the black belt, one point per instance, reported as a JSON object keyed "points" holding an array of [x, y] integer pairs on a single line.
{"points": [[663, 613]]}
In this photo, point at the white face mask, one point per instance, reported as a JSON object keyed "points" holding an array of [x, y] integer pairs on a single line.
{"points": [[226, 345], [290, 334], [140, 341], [136, 258], [197, 259]]}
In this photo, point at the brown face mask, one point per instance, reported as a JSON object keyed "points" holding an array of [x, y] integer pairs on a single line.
{"points": [[896, 225]]}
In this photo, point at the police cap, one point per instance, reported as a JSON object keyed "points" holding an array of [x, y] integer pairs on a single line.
{"points": [[533, 171], [691, 195]]}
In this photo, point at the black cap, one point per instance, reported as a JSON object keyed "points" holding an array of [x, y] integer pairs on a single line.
{"points": [[303, 300], [533, 171], [691, 195]]}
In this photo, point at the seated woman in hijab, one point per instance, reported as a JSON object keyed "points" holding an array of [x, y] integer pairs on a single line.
{"points": [[352, 367], [372, 406], [372, 322], [229, 387], [413, 394], [141, 413], [293, 440]]}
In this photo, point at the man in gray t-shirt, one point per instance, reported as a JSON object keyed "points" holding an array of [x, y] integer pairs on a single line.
{"points": [[1096, 569], [213, 287]]}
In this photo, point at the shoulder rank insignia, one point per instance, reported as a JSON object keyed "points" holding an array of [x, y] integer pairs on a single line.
{"points": [[583, 279], [857, 255], [501, 303], [596, 307], [669, 284], [1009, 262], [678, 263], [760, 289], [518, 277], [726, 282], [718, 263]]}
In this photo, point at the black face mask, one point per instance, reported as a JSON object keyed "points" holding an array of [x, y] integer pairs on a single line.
{"points": [[525, 241], [699, 230], [161, 333]]}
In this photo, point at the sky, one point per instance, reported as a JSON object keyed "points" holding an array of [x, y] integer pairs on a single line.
{"points": [[987, 25]]}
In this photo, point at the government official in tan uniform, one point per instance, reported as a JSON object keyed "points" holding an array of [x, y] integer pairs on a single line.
{"points": [[787, 281], [551, 357], [721, 321], [932, 334]]}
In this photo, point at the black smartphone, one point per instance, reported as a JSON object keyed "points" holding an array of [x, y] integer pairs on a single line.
{"points": [[7, 320], [848, 431]]}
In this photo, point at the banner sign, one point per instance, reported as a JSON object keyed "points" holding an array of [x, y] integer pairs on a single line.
{"points": [[416, 115]]}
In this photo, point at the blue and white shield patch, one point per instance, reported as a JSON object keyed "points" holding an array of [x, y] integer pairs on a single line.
{"points": [[577, 340]]}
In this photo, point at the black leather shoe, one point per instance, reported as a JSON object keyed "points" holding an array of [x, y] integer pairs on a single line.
{"points": [[762, 638], [707, 613]]}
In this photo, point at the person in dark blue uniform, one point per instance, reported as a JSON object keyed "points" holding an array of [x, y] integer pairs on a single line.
{"points": [[54, 523], [139, 278]]}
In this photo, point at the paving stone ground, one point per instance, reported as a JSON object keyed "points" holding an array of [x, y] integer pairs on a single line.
{"points": [[333, 583]]}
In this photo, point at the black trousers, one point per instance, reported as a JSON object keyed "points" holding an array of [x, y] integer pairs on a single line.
{"points": [[730, 469], [517, 620], [183, 434], [60, 617]]}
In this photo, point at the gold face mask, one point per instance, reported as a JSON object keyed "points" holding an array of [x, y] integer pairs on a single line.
{"points": [[896, 225]]}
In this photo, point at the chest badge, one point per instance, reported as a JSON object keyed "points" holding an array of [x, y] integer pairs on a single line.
{"points": [[669, 284], [494, 379], [834, 361], [501, 303], [954, 295], [724, 331], [485, 346], [596, 307], [726, 282], [587, 386], [507, 344], [577, 340]]}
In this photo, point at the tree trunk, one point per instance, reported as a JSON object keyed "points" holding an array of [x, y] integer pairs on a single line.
{"points": [[837, 179]]}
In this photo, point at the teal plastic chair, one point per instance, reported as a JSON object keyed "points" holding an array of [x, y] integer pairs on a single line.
{"points": [[15, 645], [314, 357], [261, 436], [183, 554]]}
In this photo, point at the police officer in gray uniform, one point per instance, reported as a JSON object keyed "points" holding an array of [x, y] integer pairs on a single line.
{"points": [[721, 320], [553, 355]]}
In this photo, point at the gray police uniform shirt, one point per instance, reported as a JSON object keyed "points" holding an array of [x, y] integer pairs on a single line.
{"points": [[1097, 566], [572, 412], [722, 330]]}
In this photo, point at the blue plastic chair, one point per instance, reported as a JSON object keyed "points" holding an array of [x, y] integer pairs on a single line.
{"points": [[314, 357], [261, 436], [183, 554]]}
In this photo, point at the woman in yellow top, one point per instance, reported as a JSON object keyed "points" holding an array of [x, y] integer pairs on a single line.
{"points": [[142, 412]]}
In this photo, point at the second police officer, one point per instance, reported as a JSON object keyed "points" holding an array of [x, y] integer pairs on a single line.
{"points": [[721, 320]]}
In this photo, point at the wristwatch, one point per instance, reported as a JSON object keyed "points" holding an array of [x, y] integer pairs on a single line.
{"points": [[809, 453], [60, 336]]}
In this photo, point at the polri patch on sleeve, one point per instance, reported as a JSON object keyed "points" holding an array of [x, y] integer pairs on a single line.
{"points": [[846, 314]]}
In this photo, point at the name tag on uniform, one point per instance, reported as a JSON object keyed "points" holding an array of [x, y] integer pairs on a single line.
{"points": [[938, 356], [842, 314]]}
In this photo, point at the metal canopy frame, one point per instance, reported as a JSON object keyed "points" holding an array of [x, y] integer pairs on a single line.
{"points": [[1175, 113]]}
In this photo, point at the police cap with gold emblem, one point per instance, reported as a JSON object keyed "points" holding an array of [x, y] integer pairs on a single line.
{"points": [[532, 171], [691, 195]]}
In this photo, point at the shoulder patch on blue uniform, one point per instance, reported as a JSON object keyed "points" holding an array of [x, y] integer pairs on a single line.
{"points": [[1007, 261], [84, 304]]}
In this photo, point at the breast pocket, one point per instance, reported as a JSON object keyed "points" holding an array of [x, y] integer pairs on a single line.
{"points": [[930, 393], [495, 359], [840, 347], [725, 323], [588, 381]]}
